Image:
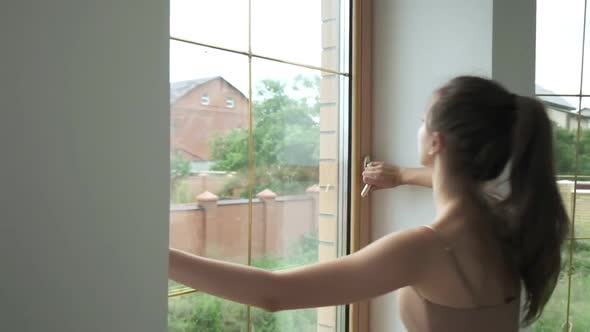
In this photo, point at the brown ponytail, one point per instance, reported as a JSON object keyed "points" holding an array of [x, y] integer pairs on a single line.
{"points": [[486, 126], [538, 222]]}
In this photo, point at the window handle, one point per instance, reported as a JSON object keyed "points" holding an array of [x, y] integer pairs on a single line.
{"points": [[367, 187]]}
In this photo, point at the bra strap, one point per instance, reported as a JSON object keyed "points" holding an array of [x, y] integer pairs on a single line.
{"points": [[448, 248]]}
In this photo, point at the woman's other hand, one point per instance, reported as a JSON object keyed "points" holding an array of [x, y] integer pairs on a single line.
{"points": [[382, 175]]}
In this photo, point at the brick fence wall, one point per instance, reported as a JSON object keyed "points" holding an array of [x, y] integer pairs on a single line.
{"points": [[219, 229]]}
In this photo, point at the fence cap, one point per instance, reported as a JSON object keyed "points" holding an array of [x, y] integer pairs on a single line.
{"points": [[207, 197], [266, 193], [313, 189]]}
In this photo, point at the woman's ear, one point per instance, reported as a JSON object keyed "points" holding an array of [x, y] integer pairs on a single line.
{"points": [[437, 143]]}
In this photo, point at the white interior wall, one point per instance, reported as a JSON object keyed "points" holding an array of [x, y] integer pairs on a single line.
{"points": [[84, 169], [419, 45]]}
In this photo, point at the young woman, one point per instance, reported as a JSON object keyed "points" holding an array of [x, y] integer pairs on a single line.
{"points": [[464, 271]]}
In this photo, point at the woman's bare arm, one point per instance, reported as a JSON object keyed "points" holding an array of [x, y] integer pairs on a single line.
{"points": [[391, 262], [417, 176], [231, 281], [394, 261], [382, 175]]}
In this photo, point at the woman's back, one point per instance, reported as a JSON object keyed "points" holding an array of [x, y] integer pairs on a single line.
{"points": [[420, 315], [472, 289]]}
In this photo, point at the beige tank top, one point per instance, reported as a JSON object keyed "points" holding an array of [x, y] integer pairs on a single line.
{"points": [[421, 315]]}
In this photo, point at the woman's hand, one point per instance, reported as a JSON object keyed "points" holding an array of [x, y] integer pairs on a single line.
{"points": [[382, 175]]}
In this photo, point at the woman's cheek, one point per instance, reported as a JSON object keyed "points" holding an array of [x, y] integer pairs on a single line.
{"points": [[421, 153]]}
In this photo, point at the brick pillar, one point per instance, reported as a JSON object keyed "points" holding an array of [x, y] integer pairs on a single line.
{"points": [[203, 177], [210, 237], [271, 226], [329, 93], [327, 191], [314, 192]]}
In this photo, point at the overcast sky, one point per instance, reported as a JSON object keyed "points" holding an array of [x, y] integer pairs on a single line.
{"points": [[289, 30], [292, 30]]}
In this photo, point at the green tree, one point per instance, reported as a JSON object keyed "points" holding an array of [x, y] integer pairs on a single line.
{"points": [[180, 168], [584, 152], [285, 140], [564, 150]]}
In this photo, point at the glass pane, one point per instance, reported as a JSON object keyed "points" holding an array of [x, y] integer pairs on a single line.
{"points": [[563, 113], [586, 78], [296, 153], [296, 148], [560, 25], [220, 23], [203, 312], [302, 31], [208, 102], [302, 320], [208, 131], [190, 62], [554, 313], [582, 217], [580, 304]]}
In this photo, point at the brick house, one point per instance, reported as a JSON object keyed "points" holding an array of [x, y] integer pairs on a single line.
{"points": [[201, 109], [562, 112]]}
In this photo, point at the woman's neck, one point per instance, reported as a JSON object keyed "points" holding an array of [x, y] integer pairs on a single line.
{"points": [[452, 192], [459, 206]]}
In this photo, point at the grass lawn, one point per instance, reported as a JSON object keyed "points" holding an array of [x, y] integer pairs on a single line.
{"points": [[555, 312]]}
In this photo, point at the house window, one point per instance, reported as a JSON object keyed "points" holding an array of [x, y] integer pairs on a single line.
{"points": [[205, 99], [296, 127], [229, 102], [564, 86]]}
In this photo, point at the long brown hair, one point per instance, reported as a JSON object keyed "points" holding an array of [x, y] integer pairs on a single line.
{"points": [[486, 126]]}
